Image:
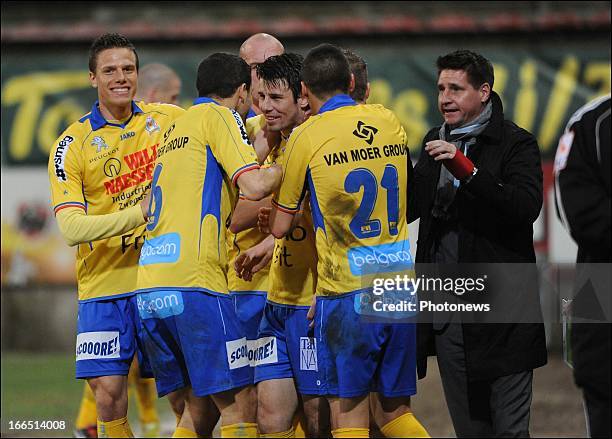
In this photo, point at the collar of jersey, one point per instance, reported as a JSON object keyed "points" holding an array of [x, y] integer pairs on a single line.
{"points": [[205, 100], [337, 101], [97, 120]]}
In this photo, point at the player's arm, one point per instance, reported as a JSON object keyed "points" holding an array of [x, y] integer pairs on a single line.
{"points": [[233, 150], [286, 203], [257, 184], [77, 227], [246, 213]]}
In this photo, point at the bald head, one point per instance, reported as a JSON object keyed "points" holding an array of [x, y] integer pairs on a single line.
{"points": [[255, 50], [259, 47], [158, 83]]}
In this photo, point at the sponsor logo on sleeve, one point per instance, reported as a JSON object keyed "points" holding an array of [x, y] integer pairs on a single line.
{"points": [[308, 353], [97, 345], [243, 131], [160, 304], [164, 249], [59, 158], [380, 258]]}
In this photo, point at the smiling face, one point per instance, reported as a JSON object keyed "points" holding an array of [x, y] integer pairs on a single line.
{"points": [[115, 78], [458, 101], [278, 106]]}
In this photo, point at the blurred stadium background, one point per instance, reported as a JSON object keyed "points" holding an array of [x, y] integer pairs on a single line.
{"points": [[549, 57]]}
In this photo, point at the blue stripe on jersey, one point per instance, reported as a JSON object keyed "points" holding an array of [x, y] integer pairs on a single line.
{"points": [[211, 193], [337, 101], [317, 216]]}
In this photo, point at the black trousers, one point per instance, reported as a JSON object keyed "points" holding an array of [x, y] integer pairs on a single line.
{"points": [[487, 408]]}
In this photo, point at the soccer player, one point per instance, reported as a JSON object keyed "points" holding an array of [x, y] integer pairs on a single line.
{"points": [[357, 194], [292, 278], [158, 83], [190, 328], [99, 170], [255, 50]]}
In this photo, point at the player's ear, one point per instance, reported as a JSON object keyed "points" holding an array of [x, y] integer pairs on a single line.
{"points": [[92, 80], [485, 92], [243, 93], [304, 91], [367, 93], [351, 87]]}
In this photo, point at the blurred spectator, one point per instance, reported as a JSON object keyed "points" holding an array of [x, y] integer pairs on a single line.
{"points": [[158, 83]]}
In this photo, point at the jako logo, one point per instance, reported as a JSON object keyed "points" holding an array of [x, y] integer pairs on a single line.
{"points": [[160, 304], [365, 132], [161, 250], [380, 258], [95, 345]]}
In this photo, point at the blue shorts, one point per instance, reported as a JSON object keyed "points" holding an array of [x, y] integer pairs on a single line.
{"points": [[357, 357], [193, 339], [108, 338], [296, 348], [249, 308]]}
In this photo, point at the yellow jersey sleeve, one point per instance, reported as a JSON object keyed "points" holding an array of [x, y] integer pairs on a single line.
{"points": [[77, 227], [295, 161], [230, 142], [66, 171]]}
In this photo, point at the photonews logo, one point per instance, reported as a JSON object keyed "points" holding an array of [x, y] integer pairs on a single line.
{"points": [[160, 304], [164, 249], [380, 258]]}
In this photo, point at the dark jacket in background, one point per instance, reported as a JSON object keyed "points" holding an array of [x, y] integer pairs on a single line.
{"points": [[495, 213], [583, 200]]}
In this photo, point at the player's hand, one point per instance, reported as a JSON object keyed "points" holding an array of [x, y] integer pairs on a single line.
{"points": [[254, 259], [311, 312], [263, 220], [144, 205], [440, 150]]}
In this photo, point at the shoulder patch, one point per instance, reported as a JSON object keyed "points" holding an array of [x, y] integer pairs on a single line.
{"points": [[59, 157], [563, 150]]}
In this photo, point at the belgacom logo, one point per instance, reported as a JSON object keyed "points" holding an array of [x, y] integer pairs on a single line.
{"points": [[366, 132]]}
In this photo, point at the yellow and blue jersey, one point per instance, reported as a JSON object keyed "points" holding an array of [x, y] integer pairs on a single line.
{"points": [[193, 192], [104, 167], [352, 160]]}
